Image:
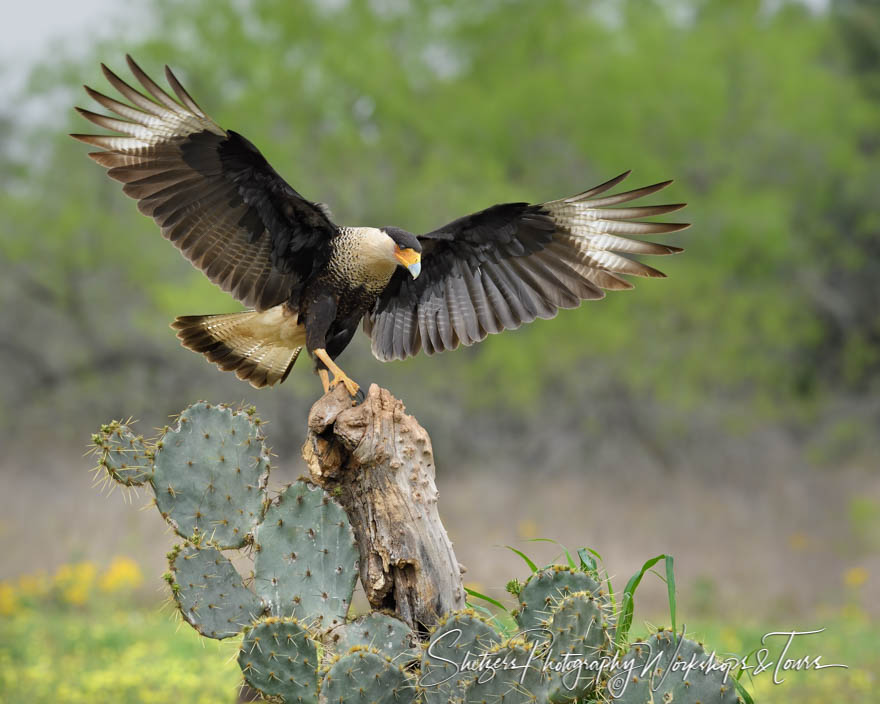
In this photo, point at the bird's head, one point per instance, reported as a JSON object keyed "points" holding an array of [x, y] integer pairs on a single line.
{"points": [[407, 249]]}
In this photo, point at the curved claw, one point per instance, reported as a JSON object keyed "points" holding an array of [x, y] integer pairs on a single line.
{"points": [[350, 385], [339, 376]]}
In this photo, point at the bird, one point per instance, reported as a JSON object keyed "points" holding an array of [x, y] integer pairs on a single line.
{"points": [[306, 282]]}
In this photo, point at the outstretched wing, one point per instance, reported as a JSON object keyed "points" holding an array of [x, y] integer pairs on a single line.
{"points": [[509, 264], [210, 191]]}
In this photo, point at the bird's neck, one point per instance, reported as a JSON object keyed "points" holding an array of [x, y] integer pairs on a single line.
{"points": [[364, 256]]}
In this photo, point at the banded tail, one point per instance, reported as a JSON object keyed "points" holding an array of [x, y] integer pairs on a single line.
{"points": [[260, 347]]}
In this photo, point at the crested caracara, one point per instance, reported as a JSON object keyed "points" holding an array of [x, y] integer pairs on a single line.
{"points": [[309, 282]]}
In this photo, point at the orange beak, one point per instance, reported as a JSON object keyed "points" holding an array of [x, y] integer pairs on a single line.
{"points": [[409, 258]]}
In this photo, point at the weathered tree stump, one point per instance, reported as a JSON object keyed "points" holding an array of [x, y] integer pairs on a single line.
{"points": [[378, 462]]}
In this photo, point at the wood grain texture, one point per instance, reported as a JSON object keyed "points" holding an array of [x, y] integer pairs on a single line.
{"points": [[378, 462]]}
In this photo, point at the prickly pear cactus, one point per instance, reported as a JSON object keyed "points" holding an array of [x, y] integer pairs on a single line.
{"points": [[306, 557], [516, 678], [377, 630], [673, 677], [364, 675], [581, 630], [458, 637], [548, 587], [210, 474], [279, 658], [209, 591], [124, 456]]}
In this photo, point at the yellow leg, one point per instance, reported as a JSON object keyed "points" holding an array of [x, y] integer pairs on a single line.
{"points": [[325, 379], [339, 376]]}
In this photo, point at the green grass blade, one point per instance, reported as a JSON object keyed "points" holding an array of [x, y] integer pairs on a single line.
{"points": [[556, 542], [670, 590], [474, 593], [627, 605], [532, 566], [742, 691]]}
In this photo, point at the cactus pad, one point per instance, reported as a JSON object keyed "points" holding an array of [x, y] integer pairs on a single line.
{"points": [[443, 676], [516, 678], [211, 474], [278, 657], [668, 679], [545, 589], [306, 560], [210, 593], [124, 455], [387, 634], [365, 675], [581, 630]]}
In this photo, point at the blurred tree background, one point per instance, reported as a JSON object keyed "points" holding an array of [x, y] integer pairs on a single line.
{"points": [[416, 112], [741, 395]]}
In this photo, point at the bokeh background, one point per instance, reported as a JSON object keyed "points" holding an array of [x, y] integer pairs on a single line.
{"points": [[727, 415]]}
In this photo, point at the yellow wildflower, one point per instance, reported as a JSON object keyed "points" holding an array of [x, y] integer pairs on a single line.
{"points": [[855, 577], [123, 574], [74, 582], [8, 599]]}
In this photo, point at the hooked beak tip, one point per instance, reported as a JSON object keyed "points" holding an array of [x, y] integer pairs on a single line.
{"points": [[415, 269]]}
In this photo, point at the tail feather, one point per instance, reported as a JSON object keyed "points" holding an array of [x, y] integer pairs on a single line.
{"points": [[261, 348]]}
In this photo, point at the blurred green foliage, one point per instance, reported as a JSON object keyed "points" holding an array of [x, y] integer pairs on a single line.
{"points": [[415, 112]]}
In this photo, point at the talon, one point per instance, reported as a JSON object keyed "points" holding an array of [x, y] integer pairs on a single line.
{"points": [[339, 376], [350, 385]]}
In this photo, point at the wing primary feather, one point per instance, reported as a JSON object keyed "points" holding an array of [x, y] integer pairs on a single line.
{"points": [[132, 129], [632, 213], [182, 93], [601, 188], [112, 142], [622, 227], [622, 265], [627, 195], [135, 96], [122, 109], [151, 86], [619, 244]]}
